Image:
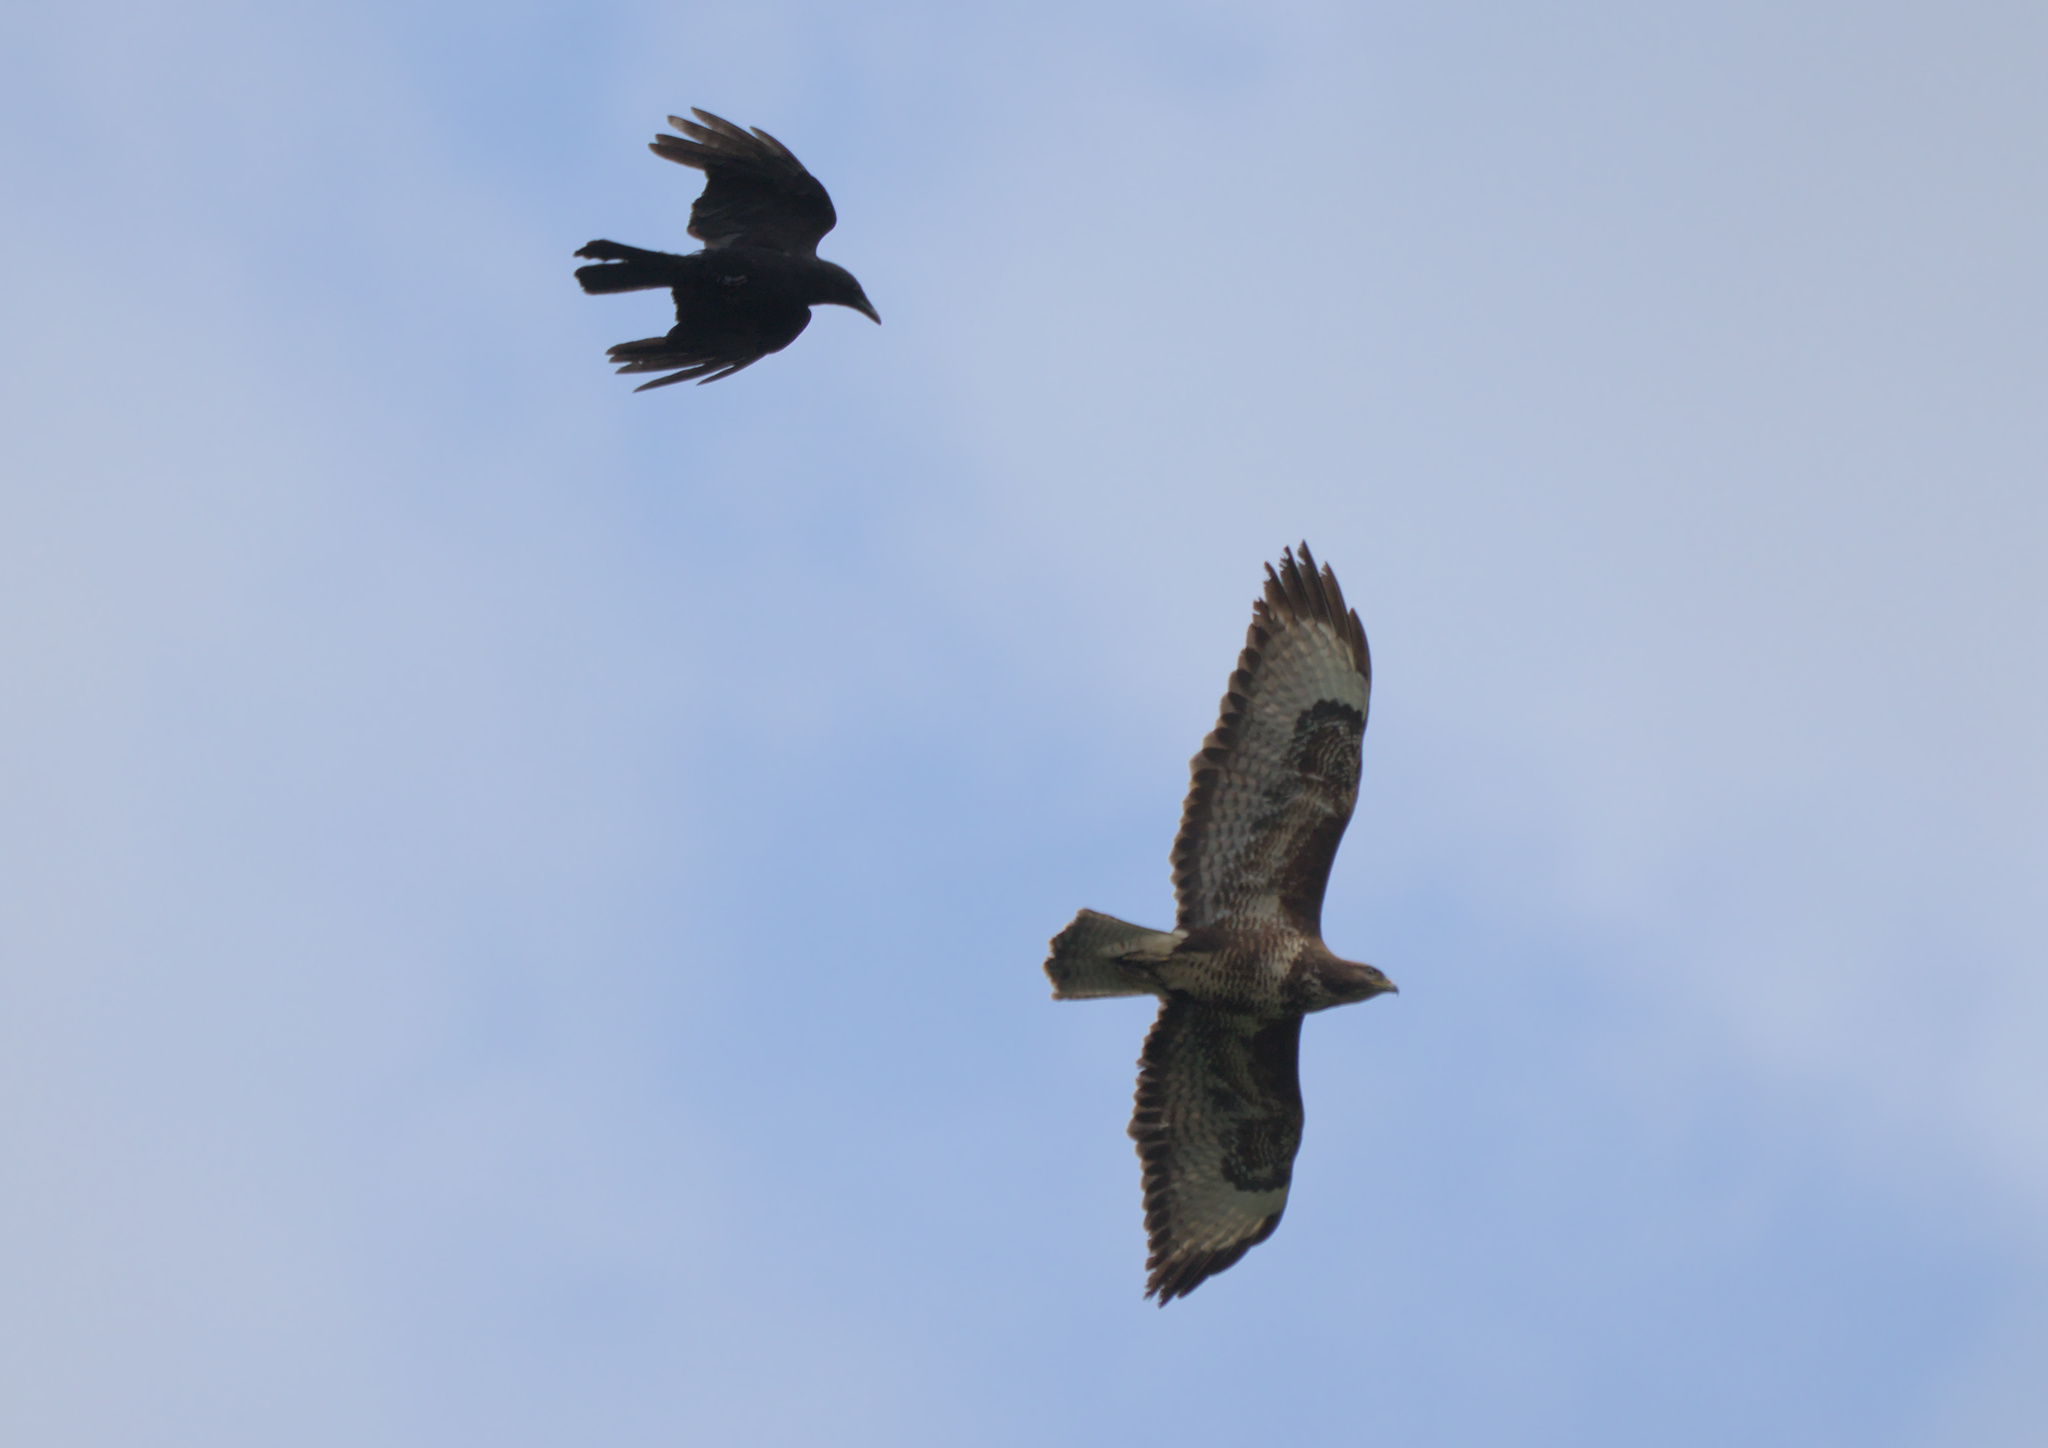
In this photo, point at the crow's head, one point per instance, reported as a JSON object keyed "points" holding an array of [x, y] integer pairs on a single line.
{"points": [[836, 287]]}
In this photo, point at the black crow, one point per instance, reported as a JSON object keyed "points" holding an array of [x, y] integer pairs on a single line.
{"points": [[750, 291]]}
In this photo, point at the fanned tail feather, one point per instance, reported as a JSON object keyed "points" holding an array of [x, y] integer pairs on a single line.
{"points": [[1099, 955]]}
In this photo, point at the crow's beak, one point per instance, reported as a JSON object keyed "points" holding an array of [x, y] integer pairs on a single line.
{"points": [[866, 309]]}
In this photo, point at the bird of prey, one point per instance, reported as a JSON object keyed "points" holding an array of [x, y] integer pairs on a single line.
{"points": [[750, 291], [1218, 1115]]}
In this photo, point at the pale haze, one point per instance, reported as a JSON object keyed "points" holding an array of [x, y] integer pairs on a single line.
{"points": [[521, 904]]}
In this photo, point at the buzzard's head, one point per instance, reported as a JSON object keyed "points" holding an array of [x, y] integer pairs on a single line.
{"points": [[1352, 980]]}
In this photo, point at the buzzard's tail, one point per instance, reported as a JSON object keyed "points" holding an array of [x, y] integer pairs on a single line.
{"points": [[1100, 955], [627, 268]]}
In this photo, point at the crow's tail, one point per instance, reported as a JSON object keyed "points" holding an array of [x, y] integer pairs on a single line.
{"points": [[627, 268]]}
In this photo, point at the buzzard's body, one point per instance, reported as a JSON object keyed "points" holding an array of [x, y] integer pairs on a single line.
{"points": [[1218, 1116], [750, 291]]}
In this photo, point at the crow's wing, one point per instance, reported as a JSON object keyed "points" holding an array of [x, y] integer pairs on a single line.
{"points": [[755, 192], [1273, 784], [1218, 1121], [702, 357]]}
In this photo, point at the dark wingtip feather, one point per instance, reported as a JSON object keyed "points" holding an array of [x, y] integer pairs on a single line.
{"points": [[717, 123], [1287, 600], [775, 145], [730, 369], [1301, 591], [700, 372], [1177, 1275], [714, 140], [674, 148], [1312, 592], [700, 146], [668, 381]]}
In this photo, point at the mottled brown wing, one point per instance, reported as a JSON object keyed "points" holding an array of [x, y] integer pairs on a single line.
{"points": [[1274, 782], [755, 192], [1217, 1124]]}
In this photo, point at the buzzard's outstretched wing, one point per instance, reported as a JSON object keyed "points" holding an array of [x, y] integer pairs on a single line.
{"points": [[1217, 1125], [1275, 780], [755, 192]]}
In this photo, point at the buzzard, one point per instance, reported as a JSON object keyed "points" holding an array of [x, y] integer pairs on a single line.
{"points": [[1218, 1115], [750, 291]]}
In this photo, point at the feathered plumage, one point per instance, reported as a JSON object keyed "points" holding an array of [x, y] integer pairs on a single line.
{"points": [[750, 291], [1218, 1116]]}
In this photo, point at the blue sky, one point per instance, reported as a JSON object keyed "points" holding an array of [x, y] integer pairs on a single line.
{"points": [[521, 904]]}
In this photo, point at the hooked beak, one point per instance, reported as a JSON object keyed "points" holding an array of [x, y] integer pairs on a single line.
{"points": [[866, 309]]}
